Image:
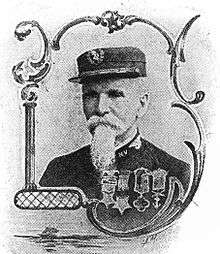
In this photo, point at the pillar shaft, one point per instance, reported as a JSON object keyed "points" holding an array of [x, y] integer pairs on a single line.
{"points": [[30, 145]]}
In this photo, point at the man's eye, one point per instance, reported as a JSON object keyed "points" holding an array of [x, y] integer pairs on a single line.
{"points": [[90, 94], [115, 94]]}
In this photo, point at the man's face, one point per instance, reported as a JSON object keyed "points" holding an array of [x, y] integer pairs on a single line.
{"points": [[116, 99]]}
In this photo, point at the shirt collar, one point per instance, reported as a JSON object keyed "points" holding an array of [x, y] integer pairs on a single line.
{"points": [[128, 140], [133, 141]]}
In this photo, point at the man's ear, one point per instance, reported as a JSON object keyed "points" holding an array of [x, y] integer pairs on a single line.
{"points": [[143, 105]]}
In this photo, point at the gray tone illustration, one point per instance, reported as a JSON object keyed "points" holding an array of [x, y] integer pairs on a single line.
{"points": [[129, 185]]}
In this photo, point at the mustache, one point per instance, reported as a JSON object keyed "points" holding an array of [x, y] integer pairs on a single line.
{"points": [[107, 120]]}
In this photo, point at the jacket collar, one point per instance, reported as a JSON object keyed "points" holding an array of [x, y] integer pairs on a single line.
{"points": [[134, 141]]}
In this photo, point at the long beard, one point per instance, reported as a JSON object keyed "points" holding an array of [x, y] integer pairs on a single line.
{"points": [[103, 148]]}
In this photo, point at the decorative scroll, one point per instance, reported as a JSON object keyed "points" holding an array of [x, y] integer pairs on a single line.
{"points": [[114, 22], [178, 57], [30, 72]]}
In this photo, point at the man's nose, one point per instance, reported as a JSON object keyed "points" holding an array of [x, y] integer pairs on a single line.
{"points": [[103, 104]]}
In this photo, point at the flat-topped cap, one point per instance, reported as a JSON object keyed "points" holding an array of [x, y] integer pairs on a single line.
{"points": [[124, 62]]}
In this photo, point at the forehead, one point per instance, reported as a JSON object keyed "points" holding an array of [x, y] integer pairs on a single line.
{"points": [[125, 85]]}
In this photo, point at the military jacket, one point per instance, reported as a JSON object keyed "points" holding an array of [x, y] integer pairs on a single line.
{"points": [[76, 169]]}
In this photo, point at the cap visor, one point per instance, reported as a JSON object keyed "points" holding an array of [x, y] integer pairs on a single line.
{"points": [[118, 73]]}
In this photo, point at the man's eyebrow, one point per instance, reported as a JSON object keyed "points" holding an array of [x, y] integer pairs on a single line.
{"points": [[89, 91], [116, 92]]}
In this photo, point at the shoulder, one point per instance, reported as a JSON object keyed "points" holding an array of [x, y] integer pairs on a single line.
{"points": [[73, 159], [63, 167], [162, 156], [75, 156]]}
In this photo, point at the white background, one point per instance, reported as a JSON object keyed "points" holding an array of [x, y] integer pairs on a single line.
{"points": [[200, 224]]}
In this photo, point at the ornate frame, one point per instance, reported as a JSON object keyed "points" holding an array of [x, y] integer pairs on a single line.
{"points": [[30, 73]]}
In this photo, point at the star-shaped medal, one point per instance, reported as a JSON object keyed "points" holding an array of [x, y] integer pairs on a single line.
{"points": [[122, 204]]}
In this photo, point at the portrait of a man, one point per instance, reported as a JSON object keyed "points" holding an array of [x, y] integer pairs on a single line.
{"points": [[110, 107], [114, 100]]}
